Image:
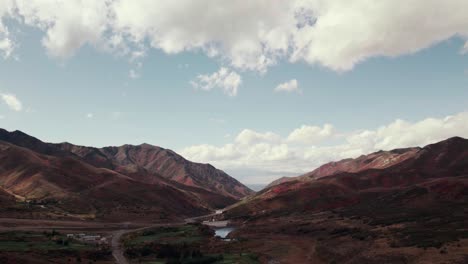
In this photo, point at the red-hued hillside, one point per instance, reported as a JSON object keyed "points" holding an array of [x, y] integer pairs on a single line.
{"points": [[170, 165], [71, 187], [145, 162], [115, 180], [149, 163], [377, 160], [440, 168]]}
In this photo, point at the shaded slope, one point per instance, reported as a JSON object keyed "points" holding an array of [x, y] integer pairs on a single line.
{"points": [[148, 165], [446, 161], [79, 188], [376, 160], [172, 166], [146, 160]]}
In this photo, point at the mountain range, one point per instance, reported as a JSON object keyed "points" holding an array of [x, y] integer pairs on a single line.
{"points": [[146, 181], [128, 181], [438, 171], [398, 206]]}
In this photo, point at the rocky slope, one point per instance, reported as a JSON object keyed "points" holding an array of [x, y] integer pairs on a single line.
{"points": [[377, 160], [67, 187], [401, 206], [145, 161], [352, 181], [110, 181]]}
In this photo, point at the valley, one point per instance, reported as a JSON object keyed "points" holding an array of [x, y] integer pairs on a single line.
{"points": [[62, 203]]}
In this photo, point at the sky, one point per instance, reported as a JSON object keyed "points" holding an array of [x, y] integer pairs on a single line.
{"points": [[260, 89]]}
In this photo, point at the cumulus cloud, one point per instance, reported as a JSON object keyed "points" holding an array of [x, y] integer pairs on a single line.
{"points": [[68, 25], [311, 134], [289, 86], [6, 44], [11, 101], [308, 147], [225, 79], [248, 35], [249, 137]]}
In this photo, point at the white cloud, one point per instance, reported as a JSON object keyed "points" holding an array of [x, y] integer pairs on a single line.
{"points": [[464, 50], [68, 25], [269, 152], [6, 41], [311, 134], [248, 35], [133, 74], [248, 137], [289, 86], [89, 115], [11, 101], [225, 79], [6, 46]]}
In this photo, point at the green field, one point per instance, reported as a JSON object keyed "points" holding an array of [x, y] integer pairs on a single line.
{"points": [[243, 258], [49, 247], [187, 234], [179, 245], [33, 241]]}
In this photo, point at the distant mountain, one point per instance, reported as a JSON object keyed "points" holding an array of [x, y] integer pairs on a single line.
{"points": [[151, 160], [282, 180], [377, 160], [441, 169], [120, 181]]}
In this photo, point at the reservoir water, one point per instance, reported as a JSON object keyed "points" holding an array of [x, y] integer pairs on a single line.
{"points": [[221, 228], [223, 232]]}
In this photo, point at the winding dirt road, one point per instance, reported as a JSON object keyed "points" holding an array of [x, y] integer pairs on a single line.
{"points": [[117, 250], [116, 245]]}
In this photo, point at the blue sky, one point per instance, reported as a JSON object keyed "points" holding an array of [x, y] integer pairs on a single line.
{"points": [[89, 98]]}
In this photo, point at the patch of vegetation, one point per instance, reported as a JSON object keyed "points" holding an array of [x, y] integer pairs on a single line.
{"points": [[187, 234], [355, 233], [27, 241], [423, 237], [241, 258], [168, 243], [52, 243], [413, 226], [178, 245]]}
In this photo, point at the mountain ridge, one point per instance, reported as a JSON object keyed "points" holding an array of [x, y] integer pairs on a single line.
{"points": [[325, 189], [64, 172]]}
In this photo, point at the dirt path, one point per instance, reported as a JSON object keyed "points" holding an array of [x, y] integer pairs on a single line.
{"points": [[117, 249], [116, 243]]}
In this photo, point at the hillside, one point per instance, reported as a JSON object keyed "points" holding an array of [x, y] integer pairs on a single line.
{"points": [[377, 160], [400, 206], [123, 181], [350, 181]]}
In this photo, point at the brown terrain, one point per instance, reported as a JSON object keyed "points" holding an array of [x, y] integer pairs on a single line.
{"points": [[400, 206], [39, 179]]}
